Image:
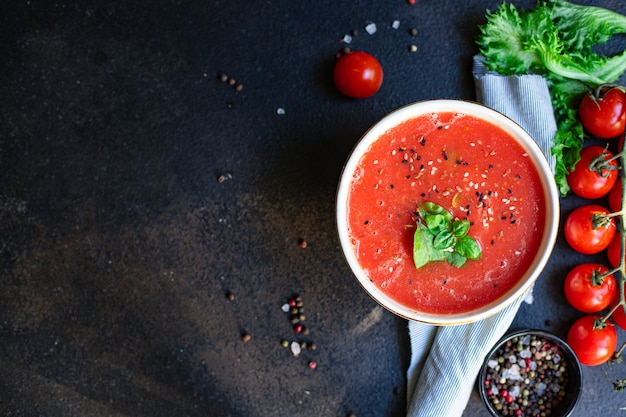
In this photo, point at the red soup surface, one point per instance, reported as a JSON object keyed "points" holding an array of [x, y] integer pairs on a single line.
{"points": [[474, 169]]}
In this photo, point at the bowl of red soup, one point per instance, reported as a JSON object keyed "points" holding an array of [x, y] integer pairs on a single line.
{"points": [[447, 211]]}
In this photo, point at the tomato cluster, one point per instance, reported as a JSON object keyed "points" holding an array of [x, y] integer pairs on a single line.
{"points": [[592, 228]]}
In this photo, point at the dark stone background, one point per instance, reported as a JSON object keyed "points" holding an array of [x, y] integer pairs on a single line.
{"points": [[118, 243]]}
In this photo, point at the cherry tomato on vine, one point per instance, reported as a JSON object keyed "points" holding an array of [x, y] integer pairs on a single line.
{"points": [[587, 290], [615, 196], [593, 346], [592, 176], [358, 74], [613, 250], [603, 113], [588, 230], [618, 316]]}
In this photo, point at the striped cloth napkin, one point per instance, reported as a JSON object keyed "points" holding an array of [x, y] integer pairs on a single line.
{"points": [[445, 361]]}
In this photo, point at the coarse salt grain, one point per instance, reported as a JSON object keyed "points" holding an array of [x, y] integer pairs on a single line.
{"points": [[347, 39], [370, 28], [395, 24], [280, 110]]}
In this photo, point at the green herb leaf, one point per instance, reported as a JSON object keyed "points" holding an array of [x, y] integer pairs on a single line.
{"points": [[436, 223], [455, 259], [468, 247], [444, 240], [421, 254], [460, 227], [423, 248], [428, 208], [439, 237]]}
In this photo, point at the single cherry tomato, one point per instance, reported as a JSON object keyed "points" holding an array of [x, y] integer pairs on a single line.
{"points": [[588, 230], [618, 316], [604, 114], [615, 196], [587, 289], [358, 74], [592, 345], [592, 176], [613, 251]]}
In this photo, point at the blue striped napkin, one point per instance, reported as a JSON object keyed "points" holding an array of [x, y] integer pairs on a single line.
{"points": [[445, 361]]}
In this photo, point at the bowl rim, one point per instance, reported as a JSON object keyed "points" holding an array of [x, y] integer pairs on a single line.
{"points": [[546, 176], [543, 333]]}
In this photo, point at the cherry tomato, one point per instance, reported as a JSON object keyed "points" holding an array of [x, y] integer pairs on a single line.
{"points": [[587, 230], [358, 74], [604, 116], [586, 291], [593, 177], [618, 316], [592, 346], [615, 196], [613, 250]]}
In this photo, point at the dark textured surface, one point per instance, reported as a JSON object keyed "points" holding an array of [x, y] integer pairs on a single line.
{"points": [[118, 243]]}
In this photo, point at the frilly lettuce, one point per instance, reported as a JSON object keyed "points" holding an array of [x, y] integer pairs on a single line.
{"points": [[556, 39]]}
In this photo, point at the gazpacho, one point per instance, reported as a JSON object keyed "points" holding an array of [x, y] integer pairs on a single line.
{"points": [[477, 172]]}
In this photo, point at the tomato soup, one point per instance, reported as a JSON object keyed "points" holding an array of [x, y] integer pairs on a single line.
{"points": [[472, 168]]}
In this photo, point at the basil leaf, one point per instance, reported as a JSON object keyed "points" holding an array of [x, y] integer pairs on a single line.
{"points": [[436, 223], [460, 228], [423, 248], [428, 208], [435, 254], [444, 240], [421, 253], [466, 246], [455, 259]]}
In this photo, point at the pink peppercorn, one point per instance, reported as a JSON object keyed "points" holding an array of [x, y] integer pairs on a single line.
{"points": [[312, 364], [297, 328]]}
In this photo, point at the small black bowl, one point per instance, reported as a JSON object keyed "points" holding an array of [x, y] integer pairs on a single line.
{"points": [[573, 377]]}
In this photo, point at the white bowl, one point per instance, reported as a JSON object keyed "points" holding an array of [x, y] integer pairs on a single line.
{"points": [[550, 191]]}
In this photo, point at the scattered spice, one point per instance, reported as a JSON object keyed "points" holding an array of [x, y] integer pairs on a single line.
{"points": [[295, 308], [246, 337], [412, 31], [230, 296], [224, 78], [295, 349], [412, 48], [224, 177], [302, 243]]}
